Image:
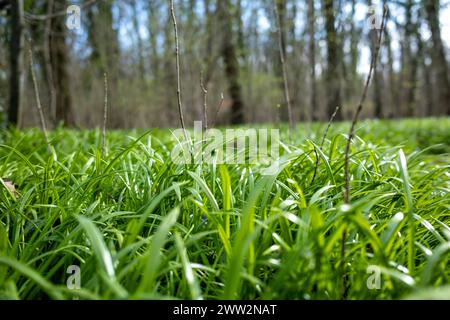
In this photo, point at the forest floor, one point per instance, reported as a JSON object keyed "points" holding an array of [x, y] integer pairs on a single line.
{"points": [[138, 225]]}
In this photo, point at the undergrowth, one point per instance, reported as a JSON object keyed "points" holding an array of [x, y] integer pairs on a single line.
{"points": [[140, 226]]}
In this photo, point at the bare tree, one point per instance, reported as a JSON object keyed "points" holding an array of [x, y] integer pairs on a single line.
{"points": [[231, 62], [140, 45], [439, 60], [392, 76], [105, 54], [354, 36], [377, 76], [153, 28], [16, 61], [428, 88], [59, 57], [333, 81], [312, 59], [48, 63]]}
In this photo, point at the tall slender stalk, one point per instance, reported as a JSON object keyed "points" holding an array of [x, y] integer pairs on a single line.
{"points": [[105, 116], [205, 103], [219, 106], [373, 66], [322, 143], [177, 66], [283, 67], [51, 150]]}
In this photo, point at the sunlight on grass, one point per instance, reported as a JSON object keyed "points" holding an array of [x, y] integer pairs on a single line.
{"points": [[140, 226]]}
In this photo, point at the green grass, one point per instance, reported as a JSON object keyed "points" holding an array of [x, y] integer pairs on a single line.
{"points": [[140, 226]]}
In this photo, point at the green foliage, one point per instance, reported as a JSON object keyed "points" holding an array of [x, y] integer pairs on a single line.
{"points": [[140, 226]]}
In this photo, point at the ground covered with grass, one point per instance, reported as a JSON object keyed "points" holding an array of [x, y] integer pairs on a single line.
{"points": [[140, 226]]}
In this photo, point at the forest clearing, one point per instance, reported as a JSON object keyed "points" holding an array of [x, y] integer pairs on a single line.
{"points": [[224, 150]]}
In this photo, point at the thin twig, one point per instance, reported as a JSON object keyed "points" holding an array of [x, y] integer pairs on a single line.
{"points": [[283, 66], [39, 106], [373, 66], [177, 57], [105, 116], [215, 117], [322, 143], [222, 99], [205, 104]]}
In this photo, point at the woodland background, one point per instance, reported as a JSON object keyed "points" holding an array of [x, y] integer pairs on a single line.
{"points": [[234, 45]]}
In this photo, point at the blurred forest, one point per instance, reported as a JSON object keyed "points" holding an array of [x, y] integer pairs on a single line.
{"points": [[234, 47]]}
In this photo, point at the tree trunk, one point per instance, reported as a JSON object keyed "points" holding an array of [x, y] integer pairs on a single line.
{"points": [[105, 55], [231, 62], [153, 27], [354, 36], [240, 31], [209, 57], [16, 61], [104, 41], [428, 88], [332, 77], [410, 67], [439, 61], [59, 58], [377, 100], [377, 92], [92, 26], [393, 92], [312, 59], [140, 46], [350, 75], [48, 64], [281, 9]]}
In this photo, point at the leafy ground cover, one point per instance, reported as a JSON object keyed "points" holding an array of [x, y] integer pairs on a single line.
{"points": [[140, 226]]}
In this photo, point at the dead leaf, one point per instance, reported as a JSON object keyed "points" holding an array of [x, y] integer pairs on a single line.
{"points": [[11, 187]]}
